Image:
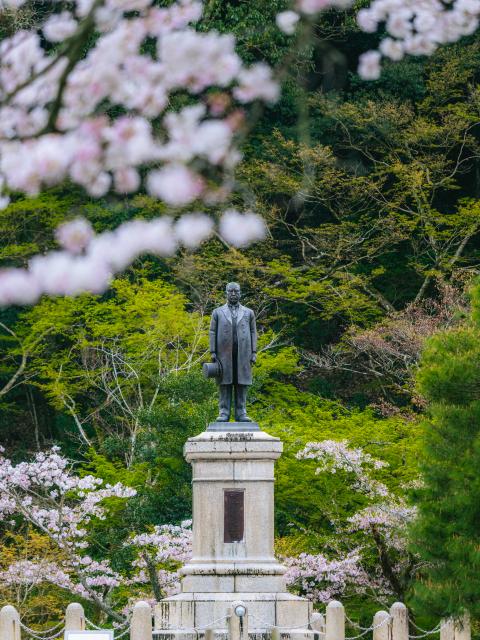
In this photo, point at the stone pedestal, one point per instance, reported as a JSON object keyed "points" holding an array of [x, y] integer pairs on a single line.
{"points": [[233, 535]]}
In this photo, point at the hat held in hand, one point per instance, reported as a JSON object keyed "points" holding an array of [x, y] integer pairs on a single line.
{"points": [[212, 369]]}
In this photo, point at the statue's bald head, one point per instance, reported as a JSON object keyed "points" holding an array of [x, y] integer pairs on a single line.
{"points": [[233, 292]]}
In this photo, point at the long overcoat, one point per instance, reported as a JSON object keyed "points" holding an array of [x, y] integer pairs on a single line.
{"points": [[221, 342]]}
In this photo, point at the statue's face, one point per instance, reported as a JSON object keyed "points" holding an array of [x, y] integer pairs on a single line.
{"points": [[233, 294]]}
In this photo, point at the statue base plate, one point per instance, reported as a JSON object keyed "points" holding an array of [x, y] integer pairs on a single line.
{"points": [[233, 426], [187, 612]]}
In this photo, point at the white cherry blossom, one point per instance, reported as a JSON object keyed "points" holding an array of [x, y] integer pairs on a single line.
{"points": [[60, 26], [287, 21], [241, 229], [175, 184], [369, 67], [75, 236]]}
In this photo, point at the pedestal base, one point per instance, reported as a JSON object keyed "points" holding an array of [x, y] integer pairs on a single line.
{"points": [[233, 552], [188, 612], [233, 426], [253, 634]]}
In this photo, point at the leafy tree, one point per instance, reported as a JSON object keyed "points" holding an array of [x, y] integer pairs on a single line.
{"points": [[446, 534]]}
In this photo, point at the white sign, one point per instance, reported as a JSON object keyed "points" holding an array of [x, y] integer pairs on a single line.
{"points": [[104, 634]]}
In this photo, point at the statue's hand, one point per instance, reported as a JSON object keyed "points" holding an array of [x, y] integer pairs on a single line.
{"points": [[213, 357], [253, 358]]}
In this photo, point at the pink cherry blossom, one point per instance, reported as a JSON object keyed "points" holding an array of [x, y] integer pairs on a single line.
{"points": [[287, 21], [56, 127], [60, 26], [332, 456], [70, 272], [257, 83], [175, 184], [241, 229], [75, 236], [369, 65], [46, 494], [322, 579], [415, 28], [193, 228]]}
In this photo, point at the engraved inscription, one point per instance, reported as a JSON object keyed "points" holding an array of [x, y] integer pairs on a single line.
{"points": [[233, 515]]}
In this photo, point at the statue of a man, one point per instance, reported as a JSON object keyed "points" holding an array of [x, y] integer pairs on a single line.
{"points": [[233, 344]]}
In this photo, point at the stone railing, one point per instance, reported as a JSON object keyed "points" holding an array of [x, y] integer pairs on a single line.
{"points": [[394, 624], [138, 627]]}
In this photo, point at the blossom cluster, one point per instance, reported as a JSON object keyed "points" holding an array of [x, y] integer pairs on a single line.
{"points": [[88, 261], [36, 489], [166, 547], [34, 573], [414, 27], [382, 525], [105, 120], [168, 542], [337, 455], [47, 494], [54, 104], [321, 579], [390, 518]]}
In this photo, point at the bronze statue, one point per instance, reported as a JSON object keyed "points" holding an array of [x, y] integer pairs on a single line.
{"points": [[233, 348]]}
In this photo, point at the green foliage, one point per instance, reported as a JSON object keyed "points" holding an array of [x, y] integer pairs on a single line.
{"points": [[304, 500], [372, 196], [42, 605], [447, 532]]}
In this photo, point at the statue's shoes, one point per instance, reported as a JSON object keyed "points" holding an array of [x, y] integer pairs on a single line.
{"points": [[222, 418], [243, 418]]}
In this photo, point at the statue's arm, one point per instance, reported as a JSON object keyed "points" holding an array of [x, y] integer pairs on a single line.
{"points": [[253, 332], [213, 333]]}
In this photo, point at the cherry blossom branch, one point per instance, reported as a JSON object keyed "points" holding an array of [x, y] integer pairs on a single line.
{"points": [[56, 119], [61, 505]]}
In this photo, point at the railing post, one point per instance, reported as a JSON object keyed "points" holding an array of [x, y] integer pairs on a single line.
{"points": [[462, 628], [238, 624], [74, 617], [233, 626], [399, 614], [447, 629], [317, 622], [335, 625], [209, 634], [9, 623], [275, 633], [141, 627], [382, 628]]}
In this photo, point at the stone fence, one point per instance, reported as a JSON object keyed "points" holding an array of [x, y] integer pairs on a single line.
{"points": [[394, 624]]}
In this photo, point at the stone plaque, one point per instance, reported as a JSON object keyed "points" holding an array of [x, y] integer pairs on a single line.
{"points": [[233, 515]]}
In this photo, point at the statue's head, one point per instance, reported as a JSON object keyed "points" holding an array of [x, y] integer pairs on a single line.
{"points": [[233, 292]]}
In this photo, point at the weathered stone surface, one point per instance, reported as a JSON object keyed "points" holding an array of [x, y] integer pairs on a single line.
{"points": [[399, 613], [381, 626], [141, 624], [233, 426], [199, 610], [335, 621], [9, 623], [293, 613], [74, 617], [224, 462], [220, 572]]}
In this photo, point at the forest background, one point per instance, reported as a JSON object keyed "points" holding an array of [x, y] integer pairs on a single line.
{"points": [[371, 194]]}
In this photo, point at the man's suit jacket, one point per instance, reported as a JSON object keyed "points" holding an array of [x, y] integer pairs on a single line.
{"points": [[221, 342]]}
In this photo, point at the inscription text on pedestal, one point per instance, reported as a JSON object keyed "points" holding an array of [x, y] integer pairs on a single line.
{"points": [[233, 515]]}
